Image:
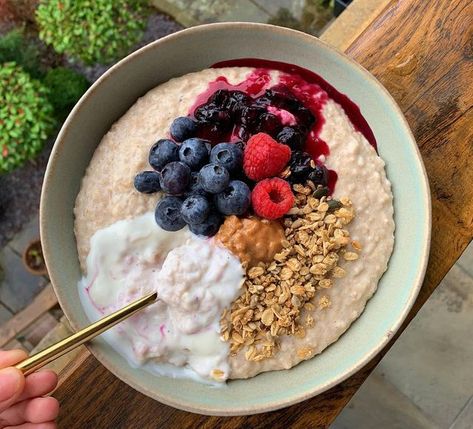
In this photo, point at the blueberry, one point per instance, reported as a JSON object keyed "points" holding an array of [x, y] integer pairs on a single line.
{"points": [[235, 199], [304, 117], [213, 131], [228, 155], [163, 152], [240, 145], [303, 168], [319, 175], [183, 128], [291, 136], [147, 182], [195, 188], [268, 123], [207, 113], [280, 96], [236, 101], [243, 134], [175, 178], [194, 152], [300, 166], [195, 209], [168, 214], [209, 227], [219, 97], [214, 178], [212, 113], [250, 115]]}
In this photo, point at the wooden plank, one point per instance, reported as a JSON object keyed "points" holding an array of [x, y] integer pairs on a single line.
{"points": [[421, 51], [430, 74], [122, 407], [5, 314], [65, 373], [60, 331], [35, 332], [344, 30], [14, 344], [43, 302]]}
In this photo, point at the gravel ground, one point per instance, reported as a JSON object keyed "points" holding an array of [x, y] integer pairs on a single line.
{"points": [[19, 195], [20, 190]]}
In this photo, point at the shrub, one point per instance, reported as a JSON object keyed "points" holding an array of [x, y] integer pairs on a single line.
{"points": [[65, 87], [7, 13], [91, 30], [26, 117], [15, 11], [14, 46], [24, 10]]}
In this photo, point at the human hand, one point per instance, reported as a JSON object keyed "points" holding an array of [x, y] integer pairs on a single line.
{"points": [[21, 403]]}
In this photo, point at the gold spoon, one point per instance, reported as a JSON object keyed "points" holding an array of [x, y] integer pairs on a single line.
{"points": [[64, 346]]}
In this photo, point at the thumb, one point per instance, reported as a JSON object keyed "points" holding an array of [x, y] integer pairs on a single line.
{"points": [[12, 382]]}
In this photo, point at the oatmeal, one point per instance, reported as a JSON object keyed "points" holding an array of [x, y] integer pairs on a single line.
{"points": [[252, 203]]}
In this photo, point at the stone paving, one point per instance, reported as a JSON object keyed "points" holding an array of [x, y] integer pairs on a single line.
{"points": [[310, 16], [17, 286], [426, 379]]}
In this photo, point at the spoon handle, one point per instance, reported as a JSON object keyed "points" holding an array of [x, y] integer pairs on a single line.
{"points": [[54, 351]]}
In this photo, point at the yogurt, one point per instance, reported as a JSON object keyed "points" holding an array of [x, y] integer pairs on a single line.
{"points": [[195, 280]]}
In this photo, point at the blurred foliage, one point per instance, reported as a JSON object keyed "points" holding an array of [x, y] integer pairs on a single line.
{"points": [[26, 116], [14, 46], [6, 11], [65, 87], [327, 4], [17, 11], [315, 14], [285, 18], [94, 31]]}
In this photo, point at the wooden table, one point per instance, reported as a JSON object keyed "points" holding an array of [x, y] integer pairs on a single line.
{"points": [[422, 52]]}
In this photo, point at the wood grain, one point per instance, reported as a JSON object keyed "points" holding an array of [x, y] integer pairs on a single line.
{"points": [[422, 52], [42, 303]]}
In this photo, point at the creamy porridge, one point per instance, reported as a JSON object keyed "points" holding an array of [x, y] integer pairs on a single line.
{"points": [[299, 249]]}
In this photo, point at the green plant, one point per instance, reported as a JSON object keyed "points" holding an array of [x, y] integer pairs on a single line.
{"points": [[26, 116], [65, 87], [91, 30], [316, 14], [14, 46]]}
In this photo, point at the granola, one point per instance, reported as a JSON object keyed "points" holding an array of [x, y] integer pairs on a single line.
{"points": [[276, 293]]}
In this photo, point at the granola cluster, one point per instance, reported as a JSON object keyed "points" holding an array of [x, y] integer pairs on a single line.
{"points": [[275, 293]]}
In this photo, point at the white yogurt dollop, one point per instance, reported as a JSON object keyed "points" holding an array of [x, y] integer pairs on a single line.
{"points": [[195, 280]]}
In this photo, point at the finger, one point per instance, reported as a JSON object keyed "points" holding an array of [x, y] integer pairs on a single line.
{"points": [[47, 425], [12, 383], [11, 357], [37, 410], [38, 384]]}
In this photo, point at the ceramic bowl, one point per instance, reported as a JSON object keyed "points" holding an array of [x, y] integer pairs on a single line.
{"points": [[192, 50]]}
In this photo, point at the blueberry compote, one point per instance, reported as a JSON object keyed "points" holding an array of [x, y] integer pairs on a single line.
{"points": [[289, 110]]}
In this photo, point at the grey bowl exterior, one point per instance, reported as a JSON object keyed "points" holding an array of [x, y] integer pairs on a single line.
{"points": [[192, 50]]}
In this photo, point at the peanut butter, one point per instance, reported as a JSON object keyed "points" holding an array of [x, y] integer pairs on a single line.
{"points": [[253, 240]]}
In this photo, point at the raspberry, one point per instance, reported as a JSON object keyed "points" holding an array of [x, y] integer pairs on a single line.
{"points": [[264, 157], [272, 198]]}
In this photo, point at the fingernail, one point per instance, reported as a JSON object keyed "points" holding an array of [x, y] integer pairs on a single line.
{"points": [[10, 379]]}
